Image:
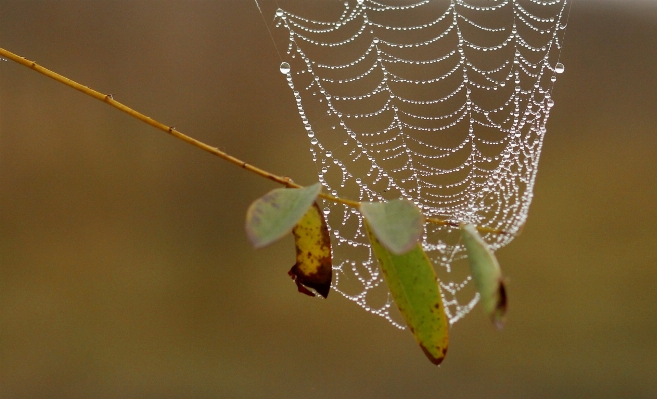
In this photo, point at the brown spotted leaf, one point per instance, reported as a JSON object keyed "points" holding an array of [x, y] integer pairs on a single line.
{"points": [[415, 289], [314, 268]]}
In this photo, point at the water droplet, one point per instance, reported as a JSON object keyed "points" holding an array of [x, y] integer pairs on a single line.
{"points": [[314, 141], [559, 68], [553, 78], [327, 211], [336, 233], [550, 102], [285, 68], [358, 181], [329, 154]]}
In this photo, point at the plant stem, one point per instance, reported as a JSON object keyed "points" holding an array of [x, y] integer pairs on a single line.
{"points": [[107, 98]]}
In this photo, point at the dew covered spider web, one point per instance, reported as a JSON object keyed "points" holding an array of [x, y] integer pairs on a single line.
{"points": [[443, 103]]}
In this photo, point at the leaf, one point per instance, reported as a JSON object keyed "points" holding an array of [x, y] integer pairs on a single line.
{"points": [[414, 288], [398, 224], [486, 274], [272, 216], [314, 267]]}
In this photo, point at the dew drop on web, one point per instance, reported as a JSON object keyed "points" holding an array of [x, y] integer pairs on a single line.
{"points": [[559, 68], [416, 107]]}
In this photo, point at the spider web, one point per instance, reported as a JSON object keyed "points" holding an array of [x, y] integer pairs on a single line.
{"points": [[443, 103]]}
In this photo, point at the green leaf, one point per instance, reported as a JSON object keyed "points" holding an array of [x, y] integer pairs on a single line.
{"points": [[415, 289], [272, 216], [398, 224], [314, 267], [486, 274]]}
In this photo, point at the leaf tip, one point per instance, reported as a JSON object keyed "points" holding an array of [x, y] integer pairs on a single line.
{"points": [[254, 239], [320, 282], [498, 316], [433, 358]]}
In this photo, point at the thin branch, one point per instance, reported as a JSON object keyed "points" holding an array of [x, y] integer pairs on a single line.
{"points": [[107, 98]]}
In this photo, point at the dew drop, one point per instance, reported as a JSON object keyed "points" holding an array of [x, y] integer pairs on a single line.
{"points": [[285, 68], [553, 78], [559, 68], [550, 103], [279, 13]]}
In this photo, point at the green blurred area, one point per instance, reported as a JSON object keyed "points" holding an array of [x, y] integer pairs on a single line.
{"points": [[125, 271]]}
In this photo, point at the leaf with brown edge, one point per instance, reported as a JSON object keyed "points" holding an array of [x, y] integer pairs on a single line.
{"points": [[314, 267], [486, 274], [415, 289]]}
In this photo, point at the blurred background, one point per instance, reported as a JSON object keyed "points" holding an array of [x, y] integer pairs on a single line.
{"points": [[125, 271]]}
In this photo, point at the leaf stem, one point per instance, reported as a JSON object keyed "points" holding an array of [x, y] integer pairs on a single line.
{"points": [[109, 99]]}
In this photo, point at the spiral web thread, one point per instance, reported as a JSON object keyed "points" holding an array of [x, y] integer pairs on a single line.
{"points": [[443, 103]]}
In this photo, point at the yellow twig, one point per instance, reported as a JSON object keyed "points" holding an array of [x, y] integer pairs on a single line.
{"points": [[107, 98]]}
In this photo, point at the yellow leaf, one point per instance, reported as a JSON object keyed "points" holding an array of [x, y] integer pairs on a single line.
{"points": [[314, 267]]}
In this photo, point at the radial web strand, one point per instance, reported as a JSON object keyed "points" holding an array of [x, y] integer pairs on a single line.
{"points": [[441, 102]]}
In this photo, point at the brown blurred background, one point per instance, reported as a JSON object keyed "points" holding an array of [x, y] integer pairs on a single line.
{"points": [[125, 271]]}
